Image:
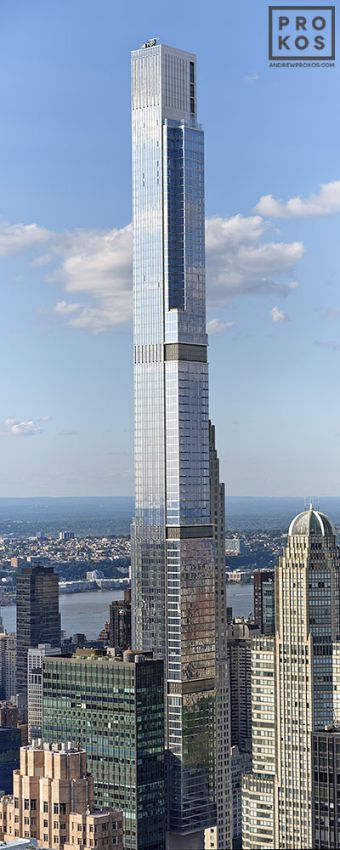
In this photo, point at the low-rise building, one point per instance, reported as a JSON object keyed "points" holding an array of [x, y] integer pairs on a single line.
{"points": [[52, 802]]}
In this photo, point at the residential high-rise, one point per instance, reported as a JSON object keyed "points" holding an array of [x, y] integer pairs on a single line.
{"points": [[326, 789], [35, 687], [176, 565], [240, 634], [120, 622], [114, 708], [264, 600], [295, 683], [38, 618], [52, 802], [8, 663]]}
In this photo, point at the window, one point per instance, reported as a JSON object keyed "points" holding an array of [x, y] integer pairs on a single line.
{"points": [[45, 807], [34, 805], [62, 808], [55, 809], [26, 804]]}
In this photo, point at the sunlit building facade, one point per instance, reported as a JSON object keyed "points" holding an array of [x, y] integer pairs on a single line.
{"points": [[175, 562], [295, 685]]}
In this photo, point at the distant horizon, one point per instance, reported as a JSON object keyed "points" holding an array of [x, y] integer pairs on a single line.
{"points": [[306, 499]]}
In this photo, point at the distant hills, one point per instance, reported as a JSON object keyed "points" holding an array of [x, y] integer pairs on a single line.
{"points": [[101, 516]]}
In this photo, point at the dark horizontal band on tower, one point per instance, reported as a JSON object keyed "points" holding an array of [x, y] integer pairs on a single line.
{"points": [[194, 686], [185, 351], [188, 532]]}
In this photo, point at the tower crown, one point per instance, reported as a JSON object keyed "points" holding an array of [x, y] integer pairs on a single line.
{"points": [[311, 522]]}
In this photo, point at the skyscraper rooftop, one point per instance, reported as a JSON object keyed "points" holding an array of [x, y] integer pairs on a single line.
{"points": [[311, 522]]}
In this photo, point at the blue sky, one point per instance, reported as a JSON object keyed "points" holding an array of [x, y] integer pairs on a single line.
{"points": [[273, 266]]}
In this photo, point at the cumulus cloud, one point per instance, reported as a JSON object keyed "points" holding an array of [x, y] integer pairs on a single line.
{"points": [[16, 428], [240, 262], [16, 238], [215, 326], [95, 267], [326, 202], [278, 315]]}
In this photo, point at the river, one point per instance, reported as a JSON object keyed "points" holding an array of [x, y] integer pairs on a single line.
{"points": [[88, 612]]}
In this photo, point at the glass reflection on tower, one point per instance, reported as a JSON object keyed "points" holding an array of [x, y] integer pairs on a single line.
{"points": [[174, 560]]}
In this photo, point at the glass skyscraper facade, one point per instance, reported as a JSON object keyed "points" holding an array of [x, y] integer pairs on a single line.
{"points": [[114, 708], [176, 563], [38, 617]]}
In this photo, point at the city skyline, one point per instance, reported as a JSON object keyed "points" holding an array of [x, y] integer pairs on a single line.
{"points": [[66, 169]]}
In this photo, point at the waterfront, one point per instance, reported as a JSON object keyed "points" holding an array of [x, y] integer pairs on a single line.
{"points": [[87, 612]]}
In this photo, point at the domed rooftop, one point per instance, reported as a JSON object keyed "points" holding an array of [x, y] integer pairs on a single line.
{"points": [[311, 522]]}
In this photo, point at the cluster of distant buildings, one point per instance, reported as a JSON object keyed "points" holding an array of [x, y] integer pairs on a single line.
{"points": [[80, 561]]}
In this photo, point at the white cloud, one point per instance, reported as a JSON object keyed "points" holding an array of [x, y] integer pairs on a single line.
{"points": [[64, 308], [252, 77], [326, 202], [16, 238], [240, 262], [278, 315], [97, 266], [215, 326], [16, 428]]}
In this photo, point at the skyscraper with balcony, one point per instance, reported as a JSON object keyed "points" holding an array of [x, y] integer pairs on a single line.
{"points": [[177, 568]]}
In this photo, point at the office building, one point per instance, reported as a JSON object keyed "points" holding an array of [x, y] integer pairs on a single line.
{"points": [[10, 742], [233, 546], [326, 788], [295, 683], [9, 715], [264, 600], [175, 562], [52, 802], [8, 663], [35, 686], [120, 622], [240, 633], [38, 618], [114, 708]]}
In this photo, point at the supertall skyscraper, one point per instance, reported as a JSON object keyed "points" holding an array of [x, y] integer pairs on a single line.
{"points": [[177, 568], [295, 689]]}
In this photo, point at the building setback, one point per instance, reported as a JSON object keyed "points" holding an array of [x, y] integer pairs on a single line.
{"points": [[295, 689], [114, 708], [52, 802], [176, 563]]}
